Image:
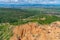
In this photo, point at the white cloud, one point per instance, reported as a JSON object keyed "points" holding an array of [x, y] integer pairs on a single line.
{"points": [[14, 0], [31, 1], [42, 1], [48, 2], [4, 0]]}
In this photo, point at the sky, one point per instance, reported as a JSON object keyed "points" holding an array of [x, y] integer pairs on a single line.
{"points": [[30, 1]]}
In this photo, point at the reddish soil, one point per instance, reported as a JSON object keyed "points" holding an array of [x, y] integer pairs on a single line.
{"points": [[35, 31]]}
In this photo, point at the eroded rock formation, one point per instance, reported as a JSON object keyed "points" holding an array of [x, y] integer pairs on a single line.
{"points": [[35, 31]]}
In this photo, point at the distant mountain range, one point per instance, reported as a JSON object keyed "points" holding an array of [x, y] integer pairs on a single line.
{"points": [[28, 5]]}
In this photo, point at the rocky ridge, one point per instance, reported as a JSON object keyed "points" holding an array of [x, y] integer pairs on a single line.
{"points": [[35, 31]]}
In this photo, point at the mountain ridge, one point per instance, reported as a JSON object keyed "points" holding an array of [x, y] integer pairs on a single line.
{"points": [[28, 5]]}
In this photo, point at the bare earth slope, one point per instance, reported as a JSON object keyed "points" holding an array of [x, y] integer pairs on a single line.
{"points": [[35, 31]]}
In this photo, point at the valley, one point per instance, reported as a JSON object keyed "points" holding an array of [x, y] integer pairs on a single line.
{"points": [[13, 18]]}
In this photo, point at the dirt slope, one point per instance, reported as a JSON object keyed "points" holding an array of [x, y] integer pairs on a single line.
{"points": [[35, 31]]}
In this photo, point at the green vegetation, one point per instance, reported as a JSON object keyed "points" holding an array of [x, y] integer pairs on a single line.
{"points": [[5, 31], [42, 19], [22, 16]]}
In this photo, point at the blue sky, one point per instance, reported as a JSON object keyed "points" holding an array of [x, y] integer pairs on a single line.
{"points": [[30, 1]]}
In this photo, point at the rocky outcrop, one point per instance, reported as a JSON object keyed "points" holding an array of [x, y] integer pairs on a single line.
{"points": [[35, 31]]}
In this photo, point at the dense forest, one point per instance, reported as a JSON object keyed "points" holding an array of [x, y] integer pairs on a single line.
{"points": [[11, 15]]}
